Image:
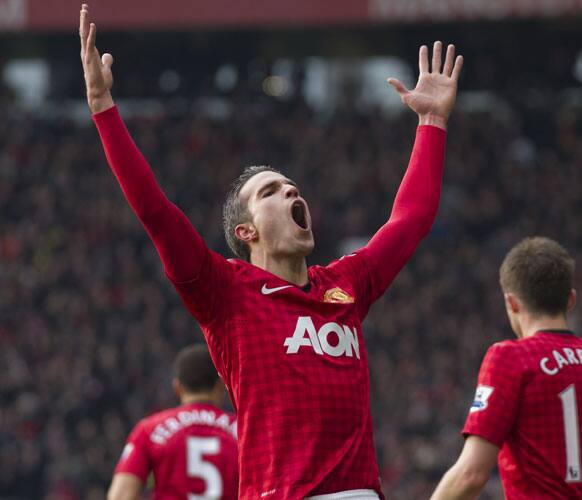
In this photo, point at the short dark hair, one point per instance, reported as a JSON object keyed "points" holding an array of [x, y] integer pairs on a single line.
{"points": [[234, 211], [539, 271], [194, 369]]}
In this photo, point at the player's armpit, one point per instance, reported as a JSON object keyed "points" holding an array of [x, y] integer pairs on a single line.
{"points": [[466, 479], [125, 487]]}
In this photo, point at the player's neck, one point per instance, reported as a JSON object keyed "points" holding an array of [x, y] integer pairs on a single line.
{"points": [[291, 269], [189, 399], [532, 325]]}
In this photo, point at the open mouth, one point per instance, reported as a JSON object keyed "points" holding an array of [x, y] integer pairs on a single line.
{"points": [[298, 212]]}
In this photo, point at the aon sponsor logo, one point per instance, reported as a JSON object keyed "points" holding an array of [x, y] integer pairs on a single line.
{"points": [[331, 338]]}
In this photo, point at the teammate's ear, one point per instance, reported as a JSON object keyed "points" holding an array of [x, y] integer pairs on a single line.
{"points": [[177, 387], [512, 303], [246, 232], [571, 299]]}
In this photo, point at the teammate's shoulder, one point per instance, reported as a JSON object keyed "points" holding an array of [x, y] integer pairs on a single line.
{"points": [[154, 419], [504, 348]]}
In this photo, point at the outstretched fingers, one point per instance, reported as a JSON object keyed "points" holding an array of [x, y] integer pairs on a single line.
{"points": [[84, 27], [399, 87], [92, 37], [457, 68], [449, 60], [423, 59], [437, 57], [107, 60]]}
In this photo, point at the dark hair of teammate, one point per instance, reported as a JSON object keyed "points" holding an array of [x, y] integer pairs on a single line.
{"points": [[539, 271], [194, 369], [234, 211]]}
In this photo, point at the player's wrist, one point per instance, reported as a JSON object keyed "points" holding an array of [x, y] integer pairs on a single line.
{"points": [[434, 120], [98, 104]]}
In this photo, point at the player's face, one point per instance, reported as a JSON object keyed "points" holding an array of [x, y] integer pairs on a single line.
{"points": [[279, 215]]}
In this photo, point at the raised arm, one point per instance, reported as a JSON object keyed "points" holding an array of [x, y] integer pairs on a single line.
{"points": [[416, 203], [180, 247]]}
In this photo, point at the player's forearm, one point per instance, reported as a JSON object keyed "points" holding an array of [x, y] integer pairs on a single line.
{"points": [[433, 120], [125, 487], [460, 483], [456, 486], [419, 194], [174, 237], [99, 103], [415, 206], [132, 171]]}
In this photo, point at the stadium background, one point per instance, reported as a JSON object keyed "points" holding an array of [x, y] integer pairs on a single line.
{"points": [[89, 325]]}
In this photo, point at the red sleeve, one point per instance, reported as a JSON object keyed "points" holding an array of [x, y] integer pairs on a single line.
{"points": [[186, 258], [413, 213], [134, 458], [181, 248], [496, 402]]}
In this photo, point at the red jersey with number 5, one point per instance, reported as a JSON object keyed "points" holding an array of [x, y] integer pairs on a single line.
{"points": [[191, 450], [529, 403]]}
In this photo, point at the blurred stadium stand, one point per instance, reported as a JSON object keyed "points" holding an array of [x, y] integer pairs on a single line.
{"points": [[89, 325]]}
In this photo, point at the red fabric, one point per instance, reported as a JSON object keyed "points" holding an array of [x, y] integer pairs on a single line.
{"points": [[524, 413], [294, 362], [172, 445]]}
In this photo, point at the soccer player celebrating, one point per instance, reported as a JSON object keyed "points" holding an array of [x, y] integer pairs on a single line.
{"points": [[528, 402], [287, 338], [191, 449]]}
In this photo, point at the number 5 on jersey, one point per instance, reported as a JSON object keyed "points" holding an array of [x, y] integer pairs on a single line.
{"points": [[196, 448]]}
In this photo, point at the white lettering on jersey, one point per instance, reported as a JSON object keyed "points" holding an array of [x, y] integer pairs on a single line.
{"points": [[319, 341], [570, 357], [482, 394], [166, 429]]}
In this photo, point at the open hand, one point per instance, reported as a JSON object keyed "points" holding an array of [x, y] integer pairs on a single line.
{"points": [[97, 69], [435, 93]]}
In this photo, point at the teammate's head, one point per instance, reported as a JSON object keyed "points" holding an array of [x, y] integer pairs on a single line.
{"points": [[536, 279], [264, 212], [195, 375]]}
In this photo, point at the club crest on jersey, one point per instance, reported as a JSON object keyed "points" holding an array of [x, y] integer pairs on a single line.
{"points": [[333, 339], [338, 296], [482, 394]]}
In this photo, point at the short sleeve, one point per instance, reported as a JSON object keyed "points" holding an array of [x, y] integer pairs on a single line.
{"points": [[135, 458], [496, 403]]}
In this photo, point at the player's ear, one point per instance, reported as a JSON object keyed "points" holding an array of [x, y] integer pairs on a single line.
{"points": [[177, 387], [571, 299], [246, 232], [219, 390], [512, 303]]}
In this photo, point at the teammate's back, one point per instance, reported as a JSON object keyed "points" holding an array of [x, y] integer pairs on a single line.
{"points": [[540, 454], [190, 449], [528, 405]]}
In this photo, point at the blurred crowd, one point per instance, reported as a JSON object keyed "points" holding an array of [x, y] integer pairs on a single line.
{"points": [[89, 325]]}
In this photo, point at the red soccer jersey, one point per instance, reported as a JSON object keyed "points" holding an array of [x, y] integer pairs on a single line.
{"points": [[529, 403], [191, 450], [295, 364], [293, 359]]}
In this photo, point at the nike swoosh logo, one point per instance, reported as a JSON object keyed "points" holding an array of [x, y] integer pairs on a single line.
{"points": [[268, 291]]}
